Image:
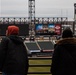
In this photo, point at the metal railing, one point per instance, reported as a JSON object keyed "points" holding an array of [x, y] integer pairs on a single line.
{"points": [[38, 65]]}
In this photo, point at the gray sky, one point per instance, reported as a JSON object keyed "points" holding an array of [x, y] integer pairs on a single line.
{"points": [[44, 8]]}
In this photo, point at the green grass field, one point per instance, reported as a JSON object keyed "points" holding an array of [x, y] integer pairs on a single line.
{"points": [[39, 69]]}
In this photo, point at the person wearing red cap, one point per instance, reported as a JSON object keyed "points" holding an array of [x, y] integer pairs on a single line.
{"points": [[12, 30], [13, 53]]}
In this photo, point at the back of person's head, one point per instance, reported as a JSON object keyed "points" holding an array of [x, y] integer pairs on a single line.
{"points": [[12, 30], [67, 33]]}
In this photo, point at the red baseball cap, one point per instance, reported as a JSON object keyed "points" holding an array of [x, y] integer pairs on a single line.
{"points": [[12, 30]]}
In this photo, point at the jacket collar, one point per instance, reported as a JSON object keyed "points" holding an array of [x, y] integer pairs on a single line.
{"points": [[67, 41]]}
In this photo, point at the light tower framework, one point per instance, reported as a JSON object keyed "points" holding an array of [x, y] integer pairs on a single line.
{"points": [[31, 19], [75, 18], [75, 11], [31, 8]]}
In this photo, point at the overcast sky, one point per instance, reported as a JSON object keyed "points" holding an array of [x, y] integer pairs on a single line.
{"points": [[43, 8]]}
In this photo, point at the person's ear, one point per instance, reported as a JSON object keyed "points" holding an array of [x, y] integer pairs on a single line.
{"points": [[6, 32]]}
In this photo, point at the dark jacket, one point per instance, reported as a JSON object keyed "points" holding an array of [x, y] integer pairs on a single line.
{"points": [[64, 57], [13, 56]]}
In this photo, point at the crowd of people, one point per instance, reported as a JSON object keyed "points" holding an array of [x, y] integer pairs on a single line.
{"points": [[14, 56]]}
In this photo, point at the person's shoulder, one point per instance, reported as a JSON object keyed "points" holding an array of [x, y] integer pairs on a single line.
{"points": [[4, 39], [66, 41]]}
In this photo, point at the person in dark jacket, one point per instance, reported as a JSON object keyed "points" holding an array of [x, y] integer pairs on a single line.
{"points": [[64, 56], [13, 53]]}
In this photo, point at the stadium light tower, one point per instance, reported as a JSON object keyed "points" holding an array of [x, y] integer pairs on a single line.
{"points": [[75, 11], [31, 11], [75, 18], [31, 5]]}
